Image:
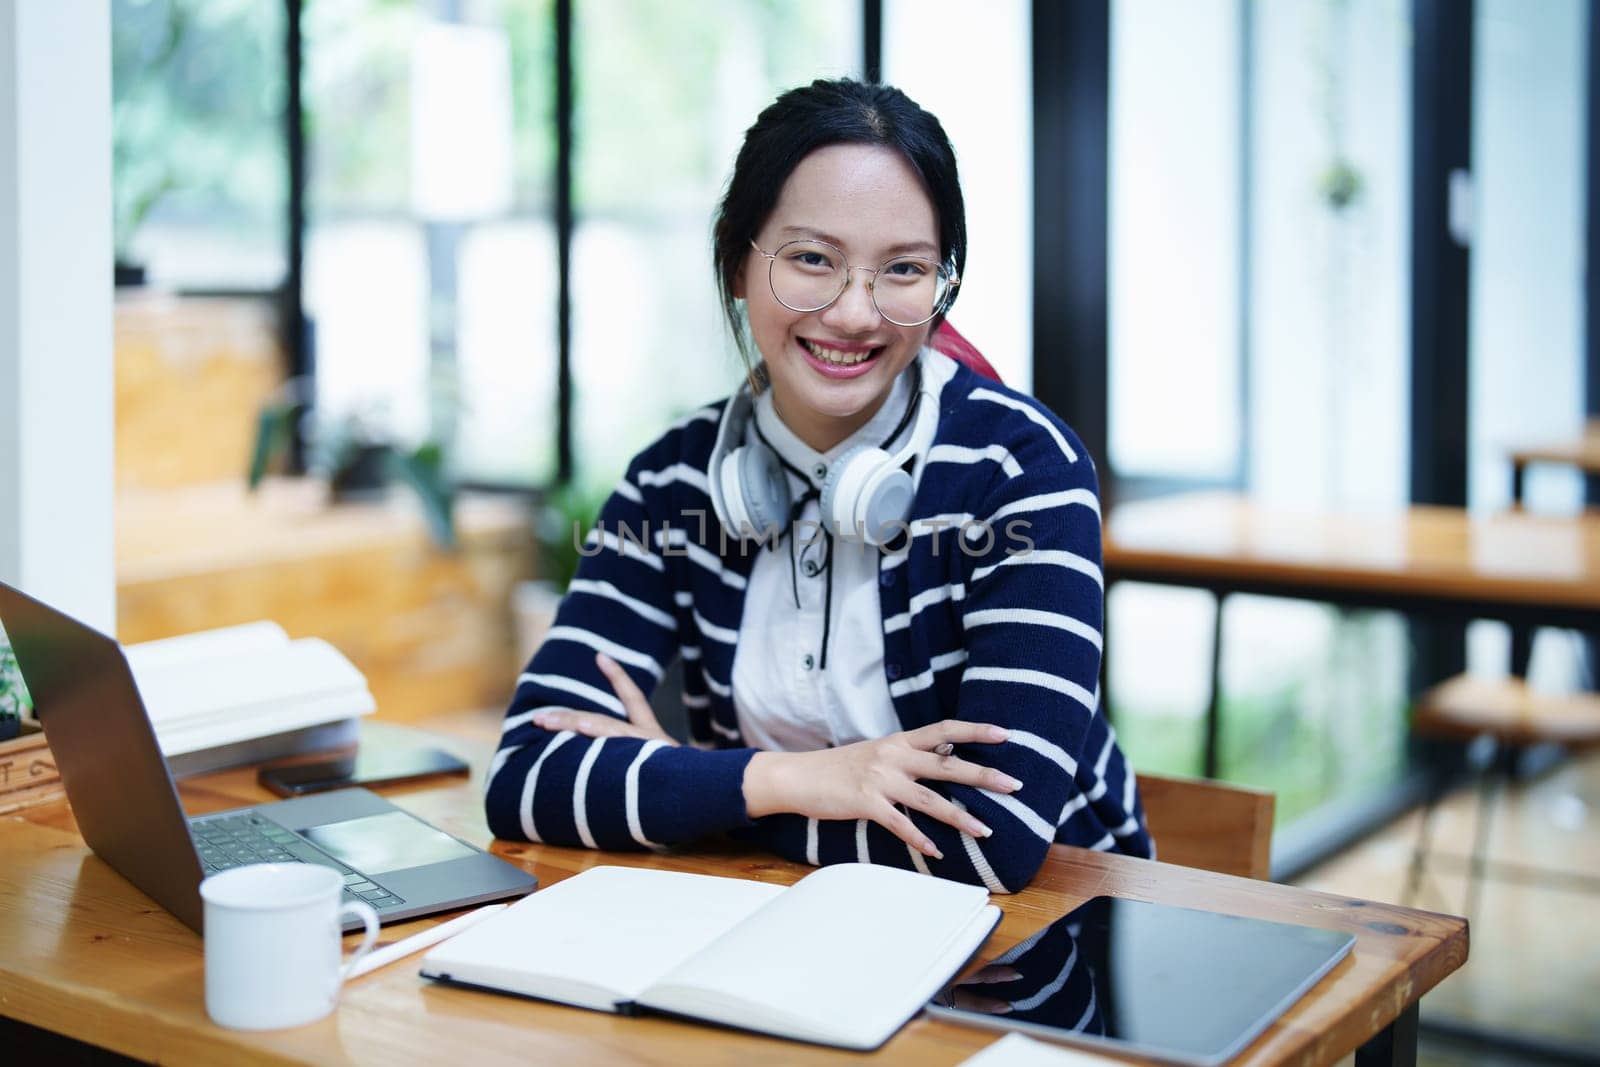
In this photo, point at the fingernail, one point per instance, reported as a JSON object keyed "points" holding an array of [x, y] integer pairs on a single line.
{"points": [[977, 829], [1011, 784], [930, 849], [999, 733]]}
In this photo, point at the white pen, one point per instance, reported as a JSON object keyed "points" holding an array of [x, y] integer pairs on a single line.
{"points": [[419, 941]]}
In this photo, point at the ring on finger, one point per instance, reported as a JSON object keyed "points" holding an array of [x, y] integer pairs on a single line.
{"points": [[944, 748]]}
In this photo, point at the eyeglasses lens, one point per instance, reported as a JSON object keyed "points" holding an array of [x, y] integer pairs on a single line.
{"points": [[809, 275]]}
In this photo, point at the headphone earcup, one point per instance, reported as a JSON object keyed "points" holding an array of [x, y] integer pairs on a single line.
{"points": [[729, 501], [755, 492], [838, 518], [864, 492]]}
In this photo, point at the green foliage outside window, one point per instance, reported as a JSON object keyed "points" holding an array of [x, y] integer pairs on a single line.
{"points": [[198, 91], [656, 81], [14, 701]]}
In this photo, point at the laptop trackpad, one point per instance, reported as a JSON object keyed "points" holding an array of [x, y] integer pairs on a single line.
{"points": [[392, 841]]}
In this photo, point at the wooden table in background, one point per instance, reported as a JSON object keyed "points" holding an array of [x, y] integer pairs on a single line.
{"points": [[1438, 562], [83, 953], [1583, 455]]}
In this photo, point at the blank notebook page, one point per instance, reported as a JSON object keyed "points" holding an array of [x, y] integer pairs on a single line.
{"points": [[850, 944], [611, 928]]}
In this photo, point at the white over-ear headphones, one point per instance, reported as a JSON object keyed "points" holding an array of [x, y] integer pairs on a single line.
{"points": [[866, 495]]}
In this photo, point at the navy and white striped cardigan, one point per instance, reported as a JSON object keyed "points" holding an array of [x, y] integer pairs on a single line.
{"points": [[985, 631]]}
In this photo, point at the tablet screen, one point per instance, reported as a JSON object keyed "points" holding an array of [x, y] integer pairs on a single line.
{"points": [[1186, 985]]}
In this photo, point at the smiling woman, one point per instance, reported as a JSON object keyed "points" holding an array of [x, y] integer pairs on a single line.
{"points": [[890, 620]]}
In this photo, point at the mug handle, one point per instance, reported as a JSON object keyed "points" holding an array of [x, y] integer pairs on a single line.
{"points": [[369, 919]]}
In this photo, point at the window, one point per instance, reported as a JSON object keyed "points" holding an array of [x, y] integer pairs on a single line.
{"points": [[431, 267], [430, 254], [1174, 239], [199, 177]]}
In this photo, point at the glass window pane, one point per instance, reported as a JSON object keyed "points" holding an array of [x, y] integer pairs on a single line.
{"points": [[366, 290], [665, 93], [199, 177], [985, 103], [430, 275], [1527, 249], [1174, 238], [1330, 253]]}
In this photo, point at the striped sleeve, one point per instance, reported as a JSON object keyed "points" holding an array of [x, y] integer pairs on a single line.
{"points": [[617, 792], [1032, 620], [1029, 659]]}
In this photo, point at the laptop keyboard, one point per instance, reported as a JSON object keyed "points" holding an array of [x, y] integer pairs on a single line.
{"points": [[235, 840]]}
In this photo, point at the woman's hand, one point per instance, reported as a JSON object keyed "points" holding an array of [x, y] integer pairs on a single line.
{"points": [[641, 721], [867, 780]]}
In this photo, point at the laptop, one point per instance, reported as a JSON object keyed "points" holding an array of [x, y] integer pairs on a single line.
{"points": [[127, 808]]}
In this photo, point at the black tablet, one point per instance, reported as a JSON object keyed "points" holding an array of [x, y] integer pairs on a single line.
{"points": [[1193, 987]]}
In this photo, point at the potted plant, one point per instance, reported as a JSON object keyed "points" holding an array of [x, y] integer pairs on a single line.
{"points": [[357, 457], [15, 704], [562, 519]]}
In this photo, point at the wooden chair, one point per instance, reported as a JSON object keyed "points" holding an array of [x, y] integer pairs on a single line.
{"points": [[1510, 715], [1215, 826]]}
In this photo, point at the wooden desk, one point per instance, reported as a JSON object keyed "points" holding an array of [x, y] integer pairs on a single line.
{"points": [[85, 954], [1440, 562], [1432, 559]]}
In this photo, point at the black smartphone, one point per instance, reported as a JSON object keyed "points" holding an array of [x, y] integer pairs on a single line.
{"points": [[379, 764]]}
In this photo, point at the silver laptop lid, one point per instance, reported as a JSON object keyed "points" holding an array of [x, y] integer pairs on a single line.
{"points": [[116, 779]]}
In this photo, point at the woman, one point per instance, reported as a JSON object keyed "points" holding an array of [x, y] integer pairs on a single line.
{"points": [[880, 570]]}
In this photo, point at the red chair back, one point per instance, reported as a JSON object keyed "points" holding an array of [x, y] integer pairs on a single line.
{"points": [[947, 341]]}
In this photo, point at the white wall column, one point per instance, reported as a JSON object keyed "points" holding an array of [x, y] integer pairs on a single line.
{"points": [[56, 539]]}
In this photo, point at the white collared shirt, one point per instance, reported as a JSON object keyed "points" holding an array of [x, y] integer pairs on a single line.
{"points": [[784, 697]]}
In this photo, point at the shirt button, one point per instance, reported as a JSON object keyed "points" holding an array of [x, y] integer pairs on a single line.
{"points": [[809, 568], [819, 471], [886, 578], [893, 671], [808, 661]]}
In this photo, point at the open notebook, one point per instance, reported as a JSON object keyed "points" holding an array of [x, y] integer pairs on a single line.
{"points": [[843, 957]]}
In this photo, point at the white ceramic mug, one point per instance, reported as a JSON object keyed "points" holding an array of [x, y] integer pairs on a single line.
{"points": [[273, 944]]}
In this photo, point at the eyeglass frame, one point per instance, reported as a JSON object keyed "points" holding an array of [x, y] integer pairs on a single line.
{"points": [[954, 280]]}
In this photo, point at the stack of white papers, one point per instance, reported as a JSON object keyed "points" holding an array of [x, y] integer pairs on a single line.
{"points": [[222, 687]]}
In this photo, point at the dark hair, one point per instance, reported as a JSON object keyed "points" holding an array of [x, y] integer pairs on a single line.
{"points": [[829, 112]]}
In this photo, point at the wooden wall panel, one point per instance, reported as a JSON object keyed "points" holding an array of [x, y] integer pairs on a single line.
{"points": [[430, 629], [192, 374]]}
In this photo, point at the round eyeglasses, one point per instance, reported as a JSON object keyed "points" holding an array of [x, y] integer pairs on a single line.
{"points": [[810, 275]]}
